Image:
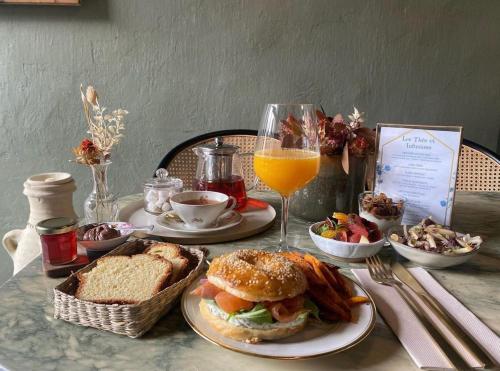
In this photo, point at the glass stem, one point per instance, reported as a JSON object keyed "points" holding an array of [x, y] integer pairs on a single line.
{"points": [[284, 223]]}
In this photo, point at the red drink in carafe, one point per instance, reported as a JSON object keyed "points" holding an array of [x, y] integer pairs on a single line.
{"points": [[233, 186]]}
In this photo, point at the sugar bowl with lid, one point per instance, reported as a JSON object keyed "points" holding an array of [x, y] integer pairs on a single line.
{"points": [[158, 190]]}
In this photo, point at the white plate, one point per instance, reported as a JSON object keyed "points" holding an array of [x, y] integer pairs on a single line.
{"points": [[171, 221], [314, 341], [257, 217]]}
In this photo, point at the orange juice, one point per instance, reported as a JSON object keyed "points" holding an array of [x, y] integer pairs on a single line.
{"points": [[286, 170]]}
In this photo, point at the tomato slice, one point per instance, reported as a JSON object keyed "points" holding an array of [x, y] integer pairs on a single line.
{"points": [[231, 304]]}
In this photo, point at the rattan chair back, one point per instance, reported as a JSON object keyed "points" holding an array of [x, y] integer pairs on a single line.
{"points": [[478, 169], [181, 161]]}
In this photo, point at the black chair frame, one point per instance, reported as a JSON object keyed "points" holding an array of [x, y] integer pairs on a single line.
{"points": [[494, 156], [167, 159]]}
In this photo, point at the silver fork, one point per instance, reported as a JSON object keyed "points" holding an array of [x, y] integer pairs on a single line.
{"points": [[382, 274]]}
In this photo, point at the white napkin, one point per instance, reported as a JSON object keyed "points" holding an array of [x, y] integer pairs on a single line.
{"points": [[422, 348]]}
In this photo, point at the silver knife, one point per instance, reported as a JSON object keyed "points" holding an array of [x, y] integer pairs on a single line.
{"points": [[407, 278]]}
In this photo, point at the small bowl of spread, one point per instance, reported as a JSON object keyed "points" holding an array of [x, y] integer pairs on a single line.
{"points": [[103, 237]]}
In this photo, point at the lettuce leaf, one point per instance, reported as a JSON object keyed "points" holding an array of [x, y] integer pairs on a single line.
{"points": [[258, 314], [322, 228], [311, 307]]}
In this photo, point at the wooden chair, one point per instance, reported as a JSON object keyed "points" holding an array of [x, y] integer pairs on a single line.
{"points": [[181, 161], [478, 169]]}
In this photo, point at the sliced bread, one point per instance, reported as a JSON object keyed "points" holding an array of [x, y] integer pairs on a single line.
{"points": [[124, 279], [172, 253]]}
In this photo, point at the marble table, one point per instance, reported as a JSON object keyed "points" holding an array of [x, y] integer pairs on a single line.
{"points": [[30, 339]]}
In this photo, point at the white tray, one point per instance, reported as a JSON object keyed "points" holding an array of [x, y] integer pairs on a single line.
{"points": [[255, 220]]}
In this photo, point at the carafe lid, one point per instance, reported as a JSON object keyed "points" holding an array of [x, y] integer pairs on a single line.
{"points": [[162, 180], [218, 147]]}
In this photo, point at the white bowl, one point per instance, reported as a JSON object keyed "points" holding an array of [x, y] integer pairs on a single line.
{"points": [[106, 245], [428, 259], [345, 250]]}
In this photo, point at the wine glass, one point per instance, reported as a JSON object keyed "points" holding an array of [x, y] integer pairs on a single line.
{"points": [[287, 153]]}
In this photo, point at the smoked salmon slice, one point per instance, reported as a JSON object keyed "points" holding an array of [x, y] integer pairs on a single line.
{"points": [[206, 290], [287, 310], [231, 304]]}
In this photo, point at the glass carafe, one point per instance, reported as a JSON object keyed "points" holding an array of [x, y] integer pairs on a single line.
{"points": [[219, 169]]}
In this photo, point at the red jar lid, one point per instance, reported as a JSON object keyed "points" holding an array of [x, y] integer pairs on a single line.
{"points": [[56, 226]]}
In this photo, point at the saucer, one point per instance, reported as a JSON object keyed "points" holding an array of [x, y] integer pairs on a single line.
{"points": [[258, 216], [171, 220]]}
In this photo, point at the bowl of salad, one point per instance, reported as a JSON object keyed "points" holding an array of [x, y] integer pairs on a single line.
{"points": [[432, 245], [347, 236]]}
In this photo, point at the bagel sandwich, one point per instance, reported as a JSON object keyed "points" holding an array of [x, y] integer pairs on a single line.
{"points": [[252, 295]]}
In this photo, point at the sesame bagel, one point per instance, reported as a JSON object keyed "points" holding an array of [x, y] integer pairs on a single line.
{"points": [[257, 276]]}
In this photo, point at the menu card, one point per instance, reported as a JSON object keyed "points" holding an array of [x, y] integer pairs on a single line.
{"points": [[419, 163]]}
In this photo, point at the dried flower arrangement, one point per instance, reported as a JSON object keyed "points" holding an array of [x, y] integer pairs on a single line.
{"points": [[336, 136], [292, 132], [349, 139], [345, 147], [105, 130]]}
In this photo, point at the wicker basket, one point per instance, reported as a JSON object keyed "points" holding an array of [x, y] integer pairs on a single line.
{"points": [[132, 320]]}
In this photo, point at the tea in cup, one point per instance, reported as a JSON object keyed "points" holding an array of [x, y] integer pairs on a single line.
{"points": [[201, 209]]}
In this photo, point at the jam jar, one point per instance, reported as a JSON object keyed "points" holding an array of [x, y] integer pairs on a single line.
{"points": [[158, 190], [58, 238]]}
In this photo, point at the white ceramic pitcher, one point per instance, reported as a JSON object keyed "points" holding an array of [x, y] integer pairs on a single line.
{"points": [[50, 195]]}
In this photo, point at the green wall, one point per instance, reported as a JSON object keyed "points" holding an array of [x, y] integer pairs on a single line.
{"points": [[186, 67]]}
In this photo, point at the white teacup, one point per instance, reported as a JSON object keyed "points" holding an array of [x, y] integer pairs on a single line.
{"points": [[201, 209]]}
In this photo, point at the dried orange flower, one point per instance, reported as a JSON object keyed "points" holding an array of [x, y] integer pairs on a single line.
{"points": [[87, 153]]}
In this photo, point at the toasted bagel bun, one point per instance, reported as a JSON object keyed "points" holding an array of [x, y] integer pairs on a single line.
{"points": [[257, 276], [246, 334]]}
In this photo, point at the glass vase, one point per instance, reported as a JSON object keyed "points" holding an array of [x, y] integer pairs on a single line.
{"points": [[332, 190], [101, 205]]}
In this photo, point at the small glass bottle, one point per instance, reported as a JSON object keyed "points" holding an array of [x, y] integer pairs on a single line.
{"points": [[158, 190], [58, 238]]}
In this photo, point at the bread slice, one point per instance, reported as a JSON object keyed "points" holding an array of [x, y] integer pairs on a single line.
{"points": [[166, 249], [124, 279], [172, 253]]}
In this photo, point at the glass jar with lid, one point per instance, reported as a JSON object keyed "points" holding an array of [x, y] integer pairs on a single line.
{"points": [[158, 190], [58, 238]]}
